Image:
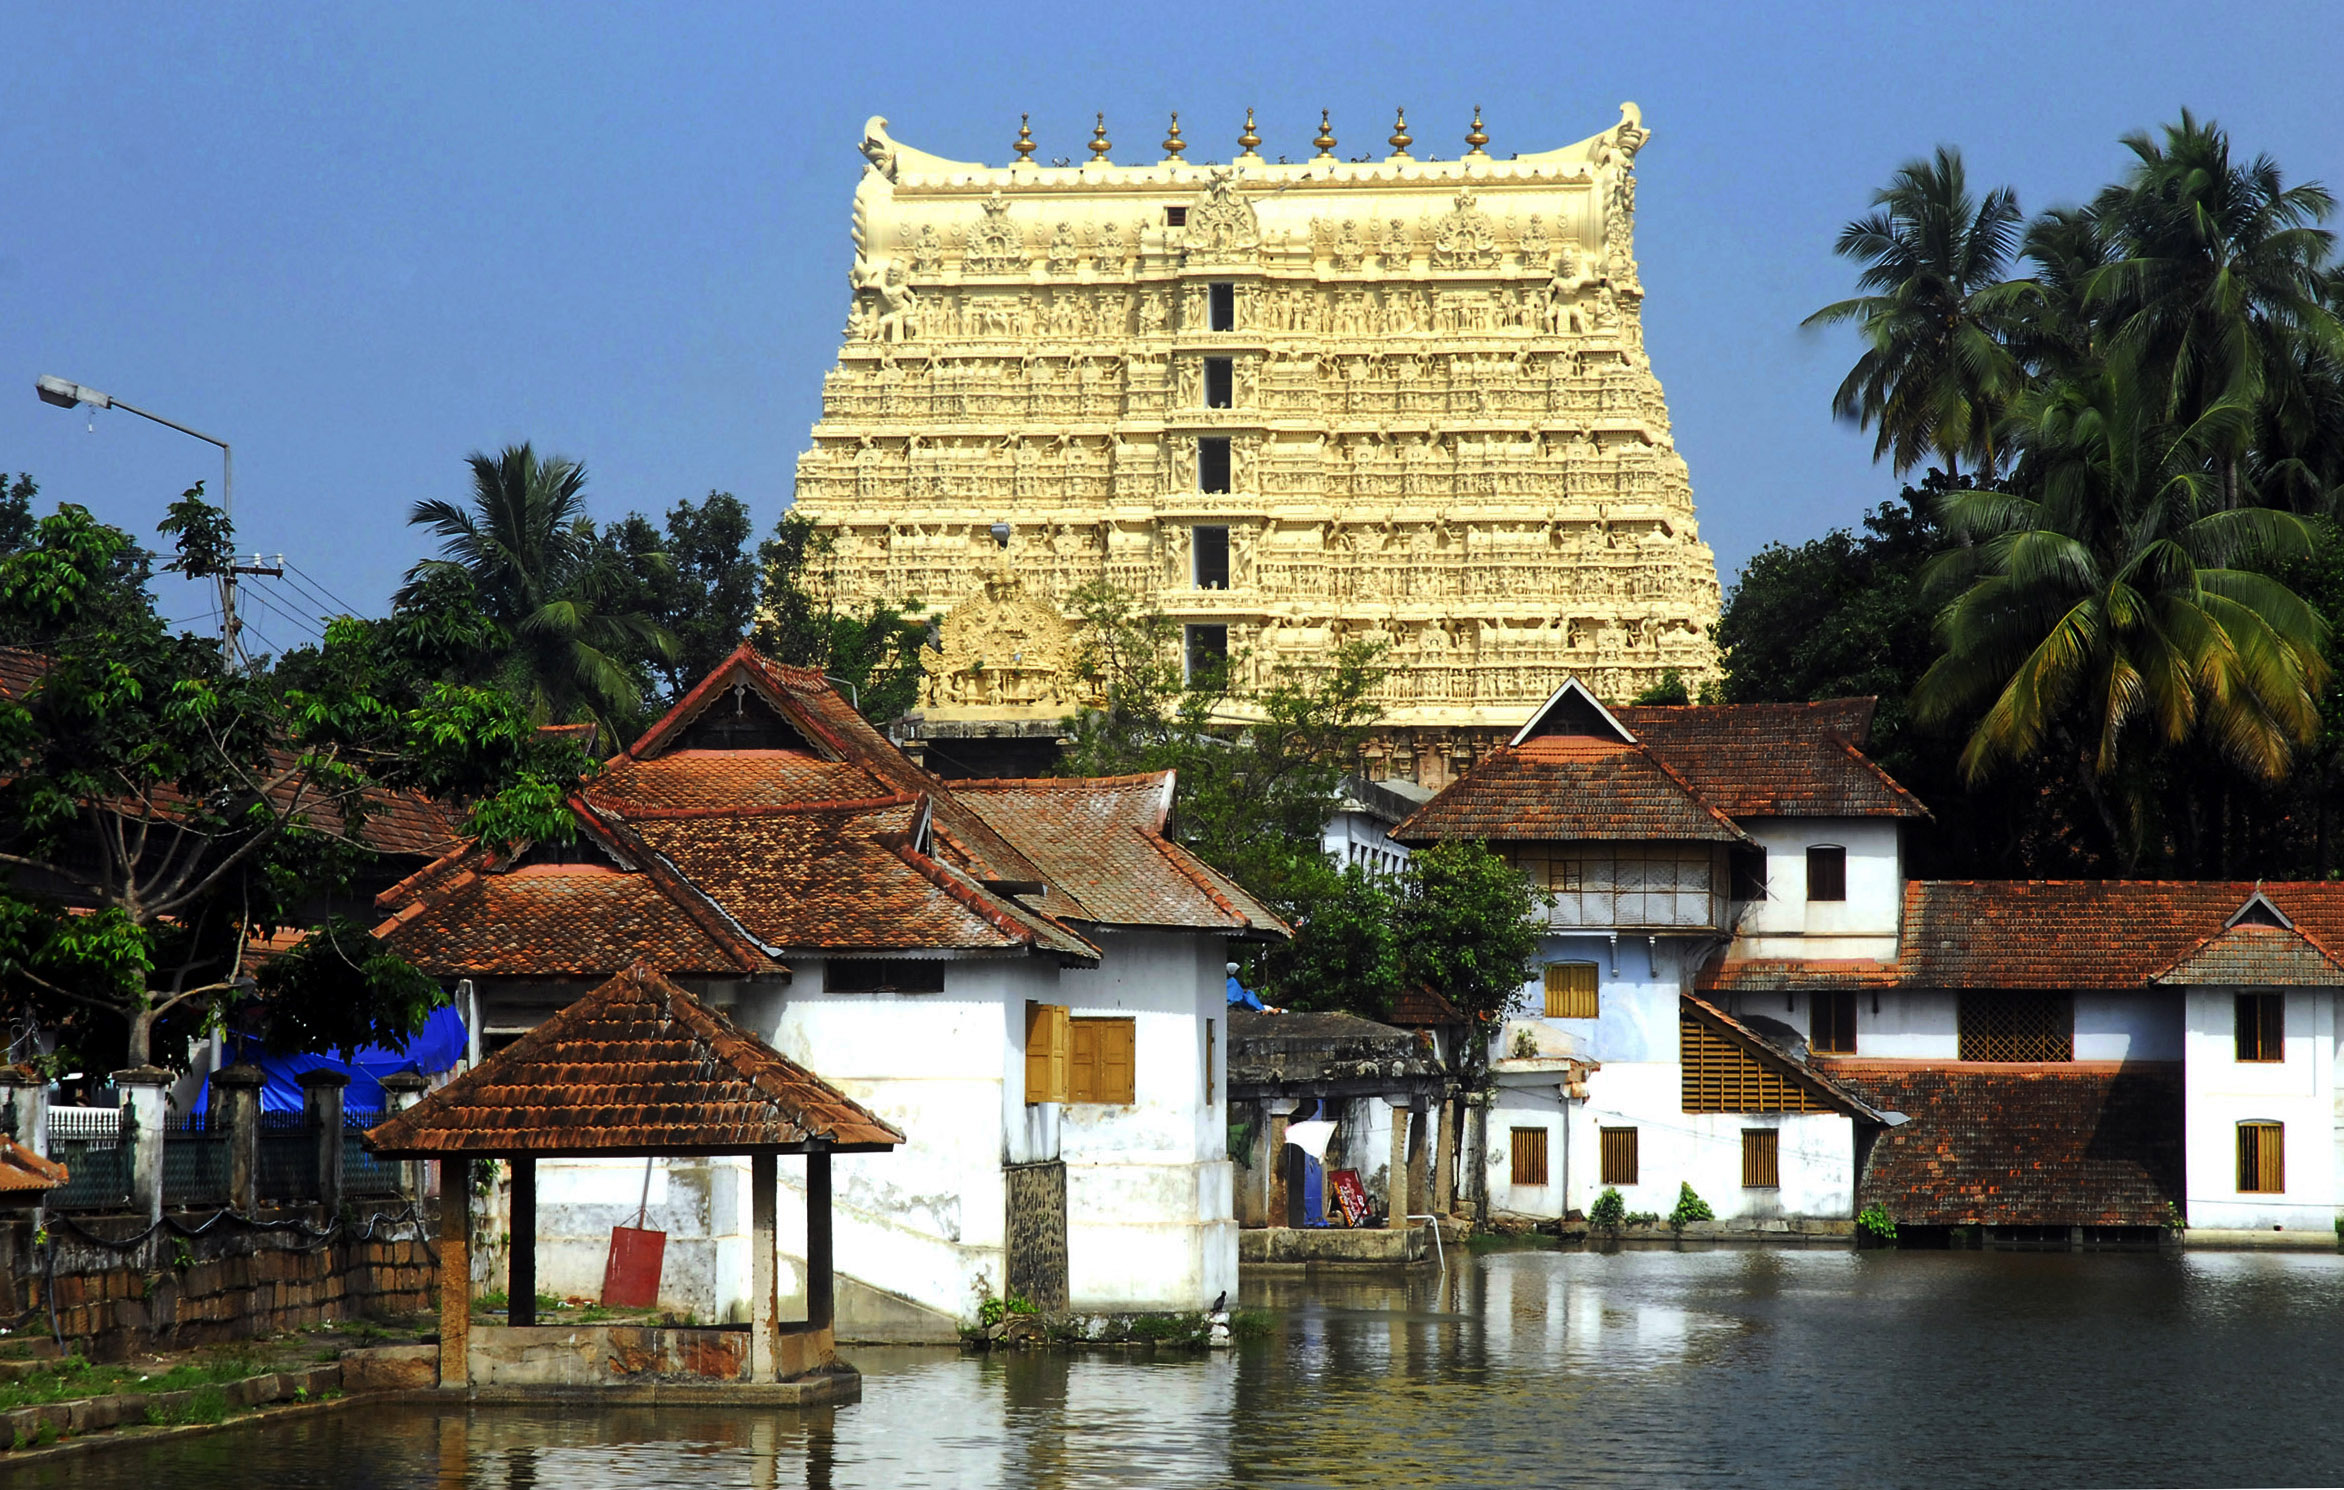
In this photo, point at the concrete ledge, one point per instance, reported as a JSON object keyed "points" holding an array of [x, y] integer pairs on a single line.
{"points": [[2218, 1238], [834, 1387], [1333, 1246]]}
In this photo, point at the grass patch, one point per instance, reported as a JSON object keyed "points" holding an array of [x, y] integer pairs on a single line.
{"points": [[1252, 1324], [207, 1404]]}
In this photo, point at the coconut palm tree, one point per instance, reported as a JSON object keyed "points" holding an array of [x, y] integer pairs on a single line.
{"points": [[530, 557], [1936, 372], [2113, 604]]}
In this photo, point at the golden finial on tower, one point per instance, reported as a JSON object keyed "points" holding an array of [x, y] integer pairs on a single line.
{"points": [[1173, 144], [1025, 140], [1249, 141], [1477, 138], [1401, 139], [1326, 135], [1099, 145]]}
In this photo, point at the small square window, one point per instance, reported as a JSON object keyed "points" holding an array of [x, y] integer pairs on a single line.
{"points": [[1212, 463], [1571, 991], [1529, 1145], [1619, 1155], [1827, 872], [1209, 547], [1176, 217], [1831, 1022], [1761, 1159], [1221, 307], [1220, 382], [2262, 1027], [1207, 652], [1747, 870]]}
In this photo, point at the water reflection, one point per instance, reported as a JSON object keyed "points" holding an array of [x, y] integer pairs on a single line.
{"points": [[1514, 1368]]}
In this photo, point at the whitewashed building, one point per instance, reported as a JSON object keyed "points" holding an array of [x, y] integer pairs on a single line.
{"points": [[1025, 977]]}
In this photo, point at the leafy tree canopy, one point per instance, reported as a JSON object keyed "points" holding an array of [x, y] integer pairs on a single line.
{"points": [[876, 655]]}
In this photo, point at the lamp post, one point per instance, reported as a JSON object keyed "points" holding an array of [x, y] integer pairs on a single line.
{"points": [[65, 394]]}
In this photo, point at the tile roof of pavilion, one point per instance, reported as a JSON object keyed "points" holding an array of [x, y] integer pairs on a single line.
{"points": [[637, 1067], [1102, 842], [2076, 934], [1775, 760], [1558, 788], [26, 1176]]}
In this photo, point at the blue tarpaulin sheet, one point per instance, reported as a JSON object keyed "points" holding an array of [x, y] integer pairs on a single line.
{"points": [[439, 1047], [1241, 996]]}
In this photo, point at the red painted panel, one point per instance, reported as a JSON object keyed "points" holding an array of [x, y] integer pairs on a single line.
{"points": [[631, 1278]]}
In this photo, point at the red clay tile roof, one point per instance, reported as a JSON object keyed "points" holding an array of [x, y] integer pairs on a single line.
{"points": [[1775, 760], [2051, 934], [557, 921], [638, 1066], [731, 779], [2011, 1146], [1559, 788], [1420, 1008], [26, 1176], [1100, 840], [20, 669]]}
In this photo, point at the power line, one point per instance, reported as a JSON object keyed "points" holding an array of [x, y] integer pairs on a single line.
{"points": [[345, 606]]}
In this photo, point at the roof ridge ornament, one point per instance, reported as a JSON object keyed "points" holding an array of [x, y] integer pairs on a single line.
{"points": [[1477, 137], [1025, 140], [1099, 142], [1248, 142], [1401, 139], [1173, 144], [1326, 138]]}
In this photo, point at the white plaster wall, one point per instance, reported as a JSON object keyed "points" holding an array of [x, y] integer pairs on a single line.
{"points": [[1817, 1151], [1357, 838], [1528, 1102], [1150, 1189], [2221, 1091], [1925, 1024], [1639, 980], [1786, 924], [702, 1205]]}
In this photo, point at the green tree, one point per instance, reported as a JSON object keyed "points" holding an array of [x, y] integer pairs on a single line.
{"points": [[2116, 603], [159, 810], [555, 595], [1936, 371], [1469, 926], [16, 510], [697, 580], [876, 654], [1345, 956]]}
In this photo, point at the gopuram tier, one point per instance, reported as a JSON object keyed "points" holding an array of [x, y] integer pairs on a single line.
{"points": [[1282, 404]]}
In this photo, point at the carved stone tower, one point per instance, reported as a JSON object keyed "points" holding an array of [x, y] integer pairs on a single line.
{"points": [[1285, 405]]}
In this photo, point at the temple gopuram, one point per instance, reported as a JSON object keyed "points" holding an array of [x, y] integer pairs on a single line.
{"points": [[1286, 405]]}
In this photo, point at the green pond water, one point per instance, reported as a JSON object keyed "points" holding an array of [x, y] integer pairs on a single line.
{"points": [[1515, 1369]]}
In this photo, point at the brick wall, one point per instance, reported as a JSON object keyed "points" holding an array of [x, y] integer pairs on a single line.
{"points": [[233, 1280]]}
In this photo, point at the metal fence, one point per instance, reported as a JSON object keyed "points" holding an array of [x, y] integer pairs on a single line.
{"points": [[195, 1160], [362, 1172], [88, 1142], [287, 1157]]}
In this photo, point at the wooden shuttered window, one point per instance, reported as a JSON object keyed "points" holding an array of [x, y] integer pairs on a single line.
{"points": [[1827, 872], [1619, 1155], [1720, 1076], [2262, 1159], [1761, 1159], [1046, 1052], [2262, 1027], [1529, 1156], [1831, 1021], [2004, 1025], [1100, 1062], [1209, 1053], [1570, 990]]}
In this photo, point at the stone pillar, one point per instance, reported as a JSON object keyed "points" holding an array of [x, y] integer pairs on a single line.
{"points": [[455, 1271], [1277, 1166], [1396, 1204], [764, 1347], [1444, 1169], [1419, 1154], [27, 1098], [402, 1090], [521, 1252], [321, 1109], [819, 1291], [236, 1104], [145, 1092]]}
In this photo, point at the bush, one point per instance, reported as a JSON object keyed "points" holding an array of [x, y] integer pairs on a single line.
{"points": [[1875, 1220], [1251, 1324], [1689, 1209], [1608, 1212]]}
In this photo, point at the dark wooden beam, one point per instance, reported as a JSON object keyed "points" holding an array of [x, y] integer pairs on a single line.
{"points": [[521, 1252], [819, 1293]]}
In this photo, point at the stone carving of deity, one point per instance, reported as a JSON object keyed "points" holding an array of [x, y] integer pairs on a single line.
{"points": [[1065, 251]]}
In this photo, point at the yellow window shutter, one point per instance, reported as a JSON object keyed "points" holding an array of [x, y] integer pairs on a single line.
{"points": [[1045, 1052], [1083, 1074], [1061, 1055], [1118, 1063]]}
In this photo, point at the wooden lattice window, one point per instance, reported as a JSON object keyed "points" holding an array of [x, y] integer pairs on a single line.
{"points": [[2000, 1025], [2262, 1027], [1529, 1156], [1831, 1022], [1570, 990], [1761, 1159], [1720, 1076], [2262, 1158], [1100, 1064], [1619, 1155]]}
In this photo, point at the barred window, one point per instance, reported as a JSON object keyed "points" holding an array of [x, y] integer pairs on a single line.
{"points": [[1831, 1022], [1619, 1155], [1720, 1076], [2262, 1158], [2262, 1027], [1761, 1159], [1529, 1156], [1571, 991], [2000, 1025]]}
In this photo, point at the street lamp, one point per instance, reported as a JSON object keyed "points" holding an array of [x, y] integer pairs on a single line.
{"points": [[65, 394]]}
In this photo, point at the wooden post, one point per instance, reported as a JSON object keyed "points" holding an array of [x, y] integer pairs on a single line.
{"points": [[236, 1102], [819, 1296], [521, 1251], [764, 1346], [1396, 1205], [455, 1268]]}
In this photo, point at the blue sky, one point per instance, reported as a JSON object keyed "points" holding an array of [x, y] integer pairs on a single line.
{"points": [[359, 242]]}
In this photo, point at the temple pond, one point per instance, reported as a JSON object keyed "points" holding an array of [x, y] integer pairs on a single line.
{"points": [[1517, 1368]]}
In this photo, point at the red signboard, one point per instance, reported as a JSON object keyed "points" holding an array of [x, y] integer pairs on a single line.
{"points": [[1350, 1196], [631, 1279]]}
